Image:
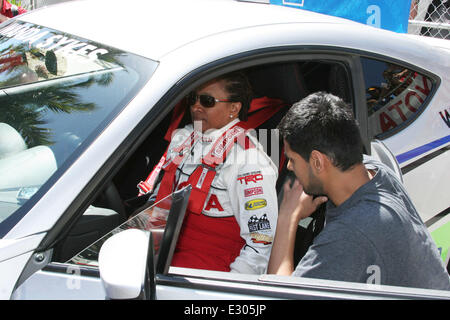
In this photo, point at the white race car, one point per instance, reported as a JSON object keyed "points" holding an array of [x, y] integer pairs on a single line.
{"points": [[89, 93]]}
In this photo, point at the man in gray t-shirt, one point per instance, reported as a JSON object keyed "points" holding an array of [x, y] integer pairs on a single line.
{"points": [[375, 236], [372, 233]]}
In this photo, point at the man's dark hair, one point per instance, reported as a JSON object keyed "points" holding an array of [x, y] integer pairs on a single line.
{"points": [[240, 90], [325, 123]]}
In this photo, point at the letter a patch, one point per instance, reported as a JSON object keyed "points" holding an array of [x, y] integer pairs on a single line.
{"points": [[213, 203]]}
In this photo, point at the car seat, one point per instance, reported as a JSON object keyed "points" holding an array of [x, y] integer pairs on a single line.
{"points": [[338, 82], [285, 81], [11, 141], [22, 167]]}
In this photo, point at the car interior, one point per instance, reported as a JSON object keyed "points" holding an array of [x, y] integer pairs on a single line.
{"points": [[281, 84]]}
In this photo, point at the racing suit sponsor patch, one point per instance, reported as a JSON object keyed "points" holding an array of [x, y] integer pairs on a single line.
{"points": [[213, 203], [253, 191], [258, 228], [255, 204], [261, 238], [258, 224], [250, 177]]}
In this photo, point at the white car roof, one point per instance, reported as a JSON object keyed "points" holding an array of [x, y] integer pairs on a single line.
{"points": [[155, 28], [144, 27]]}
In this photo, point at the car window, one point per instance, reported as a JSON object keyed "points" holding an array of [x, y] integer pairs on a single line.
{"points": [[152, 218], [394, 95], [57, 93]]}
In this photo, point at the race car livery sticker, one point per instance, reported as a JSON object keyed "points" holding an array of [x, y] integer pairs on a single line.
{"points": [[402, 106], [253, 191], [255, 204], [50, 40], [250, 177], [445, 116]]}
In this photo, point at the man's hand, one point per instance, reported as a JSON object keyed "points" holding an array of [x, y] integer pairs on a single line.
{"points": [[296, 205]]}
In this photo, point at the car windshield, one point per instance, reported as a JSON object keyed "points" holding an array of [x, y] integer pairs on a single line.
{"points": [[57, 93]]}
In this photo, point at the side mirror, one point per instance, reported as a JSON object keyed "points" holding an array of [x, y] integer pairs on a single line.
{"points": [[126, 264]]}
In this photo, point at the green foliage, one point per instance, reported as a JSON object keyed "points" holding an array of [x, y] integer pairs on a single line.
{"points": [[19, 4], [16, 2]]}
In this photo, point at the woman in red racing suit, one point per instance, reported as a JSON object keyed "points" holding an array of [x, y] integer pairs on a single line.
{"points": [[232, 210]]}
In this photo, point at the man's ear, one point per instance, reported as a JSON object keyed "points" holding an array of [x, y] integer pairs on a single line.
{"points": [[318, 161]]}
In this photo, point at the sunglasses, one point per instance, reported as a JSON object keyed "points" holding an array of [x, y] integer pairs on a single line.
{"points": [[206, 100]]}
